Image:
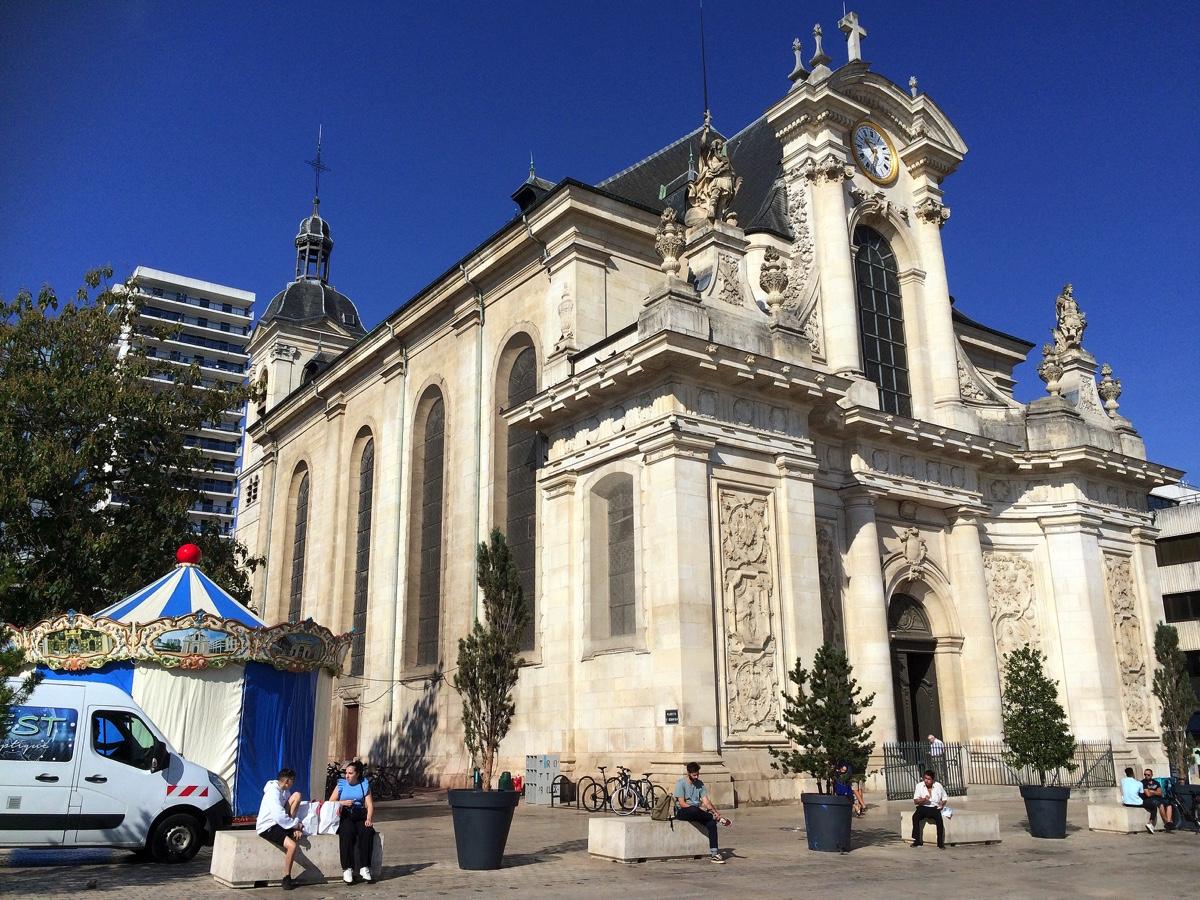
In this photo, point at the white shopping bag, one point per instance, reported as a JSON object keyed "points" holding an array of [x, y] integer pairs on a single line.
{"points": [[947, 812], [319, 817]]}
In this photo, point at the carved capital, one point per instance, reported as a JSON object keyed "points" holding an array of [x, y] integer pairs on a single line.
{"points": [[830, 170], [932, 211]]}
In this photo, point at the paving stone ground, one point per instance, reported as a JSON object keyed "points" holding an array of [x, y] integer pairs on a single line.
{"points": [[547, 857]]}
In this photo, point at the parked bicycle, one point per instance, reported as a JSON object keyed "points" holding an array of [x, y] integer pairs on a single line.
{"points": [[634, 794]]}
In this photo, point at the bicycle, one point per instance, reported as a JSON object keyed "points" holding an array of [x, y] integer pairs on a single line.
{"points": [[632, 794], [593, 795]]}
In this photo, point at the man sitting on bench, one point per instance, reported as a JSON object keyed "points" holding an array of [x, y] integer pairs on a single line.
{"points": [[695, 806], [277, 820]]}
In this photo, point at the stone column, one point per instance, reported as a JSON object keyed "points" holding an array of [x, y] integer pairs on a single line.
{"points": [[799, 581], [1090, 679], [937, 325], [839, 306], [867, 642], [980, 668]]}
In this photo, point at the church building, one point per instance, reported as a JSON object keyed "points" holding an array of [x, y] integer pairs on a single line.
{"points": [[725, 409]]}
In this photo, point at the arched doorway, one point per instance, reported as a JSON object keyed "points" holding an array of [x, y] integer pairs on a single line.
{"points": [[914, 675]]}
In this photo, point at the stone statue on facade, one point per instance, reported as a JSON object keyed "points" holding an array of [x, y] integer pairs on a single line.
{"points": [[710, 195], [1068, 333]]}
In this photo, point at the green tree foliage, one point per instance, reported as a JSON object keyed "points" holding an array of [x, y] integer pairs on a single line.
{"points": [[78, 425], [1173, 688], [1035, 724], [489, 658], [822, 720], [12, 661]]}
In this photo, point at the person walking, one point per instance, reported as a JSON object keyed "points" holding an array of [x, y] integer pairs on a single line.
{"points": [[277, 820], [694, 805], [356, 831], [929, 798]]}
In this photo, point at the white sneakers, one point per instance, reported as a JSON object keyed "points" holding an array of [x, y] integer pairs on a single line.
{"points": [[348, 876], [1150, 828], [716, 857], [365, 874]]}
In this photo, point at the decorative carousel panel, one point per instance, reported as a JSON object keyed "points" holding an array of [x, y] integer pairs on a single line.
{"points": [[300, 646], [195, 641], [76, 642]]}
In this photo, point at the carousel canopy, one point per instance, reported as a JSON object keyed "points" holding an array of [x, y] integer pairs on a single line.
{"points": [[181, 592]]}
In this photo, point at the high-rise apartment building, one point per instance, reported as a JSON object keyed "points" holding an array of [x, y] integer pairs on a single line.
{"points": [[214, 327]]}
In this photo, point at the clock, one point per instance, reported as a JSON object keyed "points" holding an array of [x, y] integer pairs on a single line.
{"points": [[874, 153]]}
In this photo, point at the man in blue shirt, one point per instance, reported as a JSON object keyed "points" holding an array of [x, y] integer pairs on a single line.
{"points": [[694, 805]]}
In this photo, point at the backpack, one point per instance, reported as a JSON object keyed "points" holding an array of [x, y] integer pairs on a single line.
{"points": [[664, 806]]}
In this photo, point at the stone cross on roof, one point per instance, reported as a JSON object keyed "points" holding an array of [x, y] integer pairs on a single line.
{"points": [[854, 34]]}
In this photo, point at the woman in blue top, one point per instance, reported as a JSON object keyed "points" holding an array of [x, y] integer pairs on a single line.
{"points": [[356, 832]]}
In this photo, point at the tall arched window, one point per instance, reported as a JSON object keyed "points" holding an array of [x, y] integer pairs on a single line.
{"points": [[881, 320], [425, 570], [362, 555], [612, 551], [299, 540], [520, 483]]}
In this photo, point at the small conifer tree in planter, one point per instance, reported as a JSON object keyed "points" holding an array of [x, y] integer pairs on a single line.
{"points": [[823, 726], [489, 663], [1173, 688], [1036, 732]]}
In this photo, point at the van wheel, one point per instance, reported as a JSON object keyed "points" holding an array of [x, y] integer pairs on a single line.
{"points": [[176, 839]]}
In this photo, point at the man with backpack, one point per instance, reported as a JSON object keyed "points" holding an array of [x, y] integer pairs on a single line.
{"points": [[694, 805]]}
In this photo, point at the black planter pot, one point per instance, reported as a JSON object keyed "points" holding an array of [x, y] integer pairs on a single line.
{"points": [[481, 822], [1047, 810], [827, 821]]}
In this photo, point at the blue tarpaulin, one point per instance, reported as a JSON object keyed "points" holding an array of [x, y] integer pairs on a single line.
{"points": [[278, 711]]}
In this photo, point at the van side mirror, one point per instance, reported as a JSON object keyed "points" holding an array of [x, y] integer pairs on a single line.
{"points": [[159, 757]]}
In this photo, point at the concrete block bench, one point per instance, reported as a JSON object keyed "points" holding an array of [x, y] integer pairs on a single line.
{"points": [[639, 838], [1117, 818], [961, 828], [241, 859]]}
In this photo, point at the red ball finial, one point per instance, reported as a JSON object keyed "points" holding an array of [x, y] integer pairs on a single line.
{"points": [[188, 553]]}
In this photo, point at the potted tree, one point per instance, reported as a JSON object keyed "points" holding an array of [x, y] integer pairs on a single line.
{"points": [[823, 726], [1173, 688], [488, 664], [1035, 730]]}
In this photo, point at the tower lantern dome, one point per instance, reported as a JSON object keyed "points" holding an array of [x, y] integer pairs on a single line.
{"points": [[313, 246]]}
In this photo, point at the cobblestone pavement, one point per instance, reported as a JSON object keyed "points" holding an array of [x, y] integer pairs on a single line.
{"points": [[547, 857]]}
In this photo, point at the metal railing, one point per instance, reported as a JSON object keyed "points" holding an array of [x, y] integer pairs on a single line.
{"points": [[989, 763], [904, 762]]}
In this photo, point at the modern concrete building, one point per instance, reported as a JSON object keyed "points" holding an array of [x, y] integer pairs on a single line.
{"points": [[214, 325], [1177, 515]]}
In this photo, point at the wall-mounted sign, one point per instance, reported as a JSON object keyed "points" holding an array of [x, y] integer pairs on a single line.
{"points": [[672, 717]]}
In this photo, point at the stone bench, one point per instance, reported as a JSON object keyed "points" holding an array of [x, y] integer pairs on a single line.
{"points": [[639, 838], [961, 828], [1116, 818], [241, 859]]}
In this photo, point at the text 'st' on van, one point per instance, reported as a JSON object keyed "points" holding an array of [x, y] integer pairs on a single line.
{"points": [[82, 765]]}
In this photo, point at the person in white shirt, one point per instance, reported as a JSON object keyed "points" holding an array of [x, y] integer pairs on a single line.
{"points": [[929, 797], [277, 820]]}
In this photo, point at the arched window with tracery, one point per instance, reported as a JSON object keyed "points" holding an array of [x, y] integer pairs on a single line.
{"points": [[299, 542], [522, 454], [425, 567], [362, 555], [613, 558], [881, 320]]}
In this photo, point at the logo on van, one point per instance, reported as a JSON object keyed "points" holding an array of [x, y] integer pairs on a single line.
{"points": [[39, 734]]}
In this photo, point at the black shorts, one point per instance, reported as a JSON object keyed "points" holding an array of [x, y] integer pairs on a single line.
{"points": [[275, 834]]}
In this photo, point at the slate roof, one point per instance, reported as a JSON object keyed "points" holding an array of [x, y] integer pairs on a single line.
{"points": [[756, 156], [308, 300]]}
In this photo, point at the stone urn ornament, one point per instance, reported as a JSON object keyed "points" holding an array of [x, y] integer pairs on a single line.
{"points": [[773, 278], [668, 241], [1050, 370]]}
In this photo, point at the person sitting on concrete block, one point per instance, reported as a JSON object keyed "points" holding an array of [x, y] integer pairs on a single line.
{"points": [[356, 832], [691, 796], [929, 797], [277, 820]]}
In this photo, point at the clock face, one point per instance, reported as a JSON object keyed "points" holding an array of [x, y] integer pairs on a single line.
{"points": [[874, 154]]}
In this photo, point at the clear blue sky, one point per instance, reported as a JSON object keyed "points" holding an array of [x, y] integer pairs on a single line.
{"points": [[174, 135]]}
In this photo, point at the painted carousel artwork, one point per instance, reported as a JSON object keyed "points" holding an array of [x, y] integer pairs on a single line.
{"points": [[230, 692]]}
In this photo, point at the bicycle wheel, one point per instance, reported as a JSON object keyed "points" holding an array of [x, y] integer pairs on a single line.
{"points": [[626, 802], [611, 786], [593, 797], [651, 792]]}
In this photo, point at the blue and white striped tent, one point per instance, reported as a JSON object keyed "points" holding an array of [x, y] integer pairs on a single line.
{"points": [[243, 720], [183, 591]]}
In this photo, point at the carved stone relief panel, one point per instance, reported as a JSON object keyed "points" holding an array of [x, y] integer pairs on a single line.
{"points": [[1130, 645], [729, 281], [741, 411], [829, 572], [1012, 601], [748, 600], [800, 300], [916, 468]]}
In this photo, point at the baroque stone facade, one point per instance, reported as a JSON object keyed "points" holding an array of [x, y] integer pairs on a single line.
{"points": [[720, 424]]}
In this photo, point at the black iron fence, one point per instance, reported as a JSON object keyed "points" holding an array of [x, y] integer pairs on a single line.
{"points": [[989, 763], [904, 762]]}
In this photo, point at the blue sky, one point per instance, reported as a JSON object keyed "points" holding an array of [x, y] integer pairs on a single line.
{"points": [[174, 135]]}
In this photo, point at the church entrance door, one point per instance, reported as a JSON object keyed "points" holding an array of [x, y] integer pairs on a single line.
{"points": [[914, 674]]}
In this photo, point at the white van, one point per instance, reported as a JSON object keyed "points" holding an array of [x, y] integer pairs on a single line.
{"points": [[83, 766]]}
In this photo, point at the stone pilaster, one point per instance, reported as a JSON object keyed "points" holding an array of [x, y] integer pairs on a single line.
{"points": [[867, 642], [799, 580], [839, 306], [1090, 682], [981, 684]]}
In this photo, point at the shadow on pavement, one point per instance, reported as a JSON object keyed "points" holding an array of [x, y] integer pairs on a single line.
{"points": [[546, 854], [387, 873]]}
